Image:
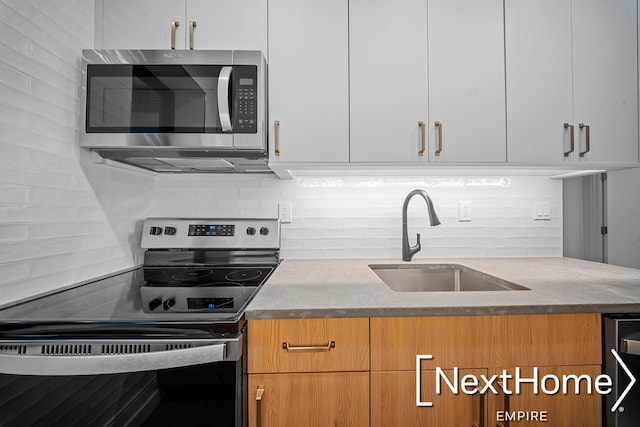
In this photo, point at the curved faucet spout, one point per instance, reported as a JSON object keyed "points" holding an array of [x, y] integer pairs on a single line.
{"points": [[409, 251]]}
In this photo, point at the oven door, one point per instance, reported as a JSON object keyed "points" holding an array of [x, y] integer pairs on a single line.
{"points": [[122, 382]]}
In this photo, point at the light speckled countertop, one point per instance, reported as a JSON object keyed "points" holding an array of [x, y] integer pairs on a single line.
{"points": [[349, 288]]}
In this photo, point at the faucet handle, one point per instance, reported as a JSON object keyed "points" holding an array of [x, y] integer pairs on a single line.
{"points": [[418, 246]]}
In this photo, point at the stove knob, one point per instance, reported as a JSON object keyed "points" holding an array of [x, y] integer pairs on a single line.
{"points": [[264, 231], [155, 231], [153, 304], [169, 303], [169, 231], [251, 231]]}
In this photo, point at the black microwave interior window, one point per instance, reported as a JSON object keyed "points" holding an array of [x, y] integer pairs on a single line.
{"points": [[125, 98]]}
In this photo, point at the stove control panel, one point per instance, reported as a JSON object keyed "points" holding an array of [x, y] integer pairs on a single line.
{"points": [[208, 233], [211, 230]]}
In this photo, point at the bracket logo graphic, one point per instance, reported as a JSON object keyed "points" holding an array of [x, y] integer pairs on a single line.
{"points": [[631, 383]]}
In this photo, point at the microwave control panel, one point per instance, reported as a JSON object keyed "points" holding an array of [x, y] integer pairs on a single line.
{"points": [[245, 81]]}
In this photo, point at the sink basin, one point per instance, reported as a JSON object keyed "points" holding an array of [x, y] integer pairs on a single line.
{"points": [[439, 278]]}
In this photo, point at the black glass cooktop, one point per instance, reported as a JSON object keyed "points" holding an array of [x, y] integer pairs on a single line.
{"points": [[118, 300]]}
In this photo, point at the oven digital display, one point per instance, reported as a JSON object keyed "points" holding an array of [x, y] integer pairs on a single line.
{"points": [[211, 230], [209, 303]]}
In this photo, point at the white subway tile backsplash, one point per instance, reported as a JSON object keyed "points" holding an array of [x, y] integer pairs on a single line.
{"points": [[360, 217], [63, 218], [14, 271], [19, 6], [13, 232]]}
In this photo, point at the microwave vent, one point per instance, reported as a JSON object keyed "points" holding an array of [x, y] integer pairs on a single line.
{"points": [[199, 164]]}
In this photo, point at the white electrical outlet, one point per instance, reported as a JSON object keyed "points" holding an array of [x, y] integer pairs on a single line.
{"points": [[464, 211], [542, 211], [285, 212]]}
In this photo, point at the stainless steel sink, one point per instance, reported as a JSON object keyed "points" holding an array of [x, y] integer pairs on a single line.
{"points": [[440, 278]]}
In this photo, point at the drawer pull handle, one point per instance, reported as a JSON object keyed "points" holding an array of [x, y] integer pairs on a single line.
{"points": [[423, 138], [174, 26], [192, 27], [439, 129], [276, 137], [259, 393], [328, 347], [587, 138], [571, 139]]}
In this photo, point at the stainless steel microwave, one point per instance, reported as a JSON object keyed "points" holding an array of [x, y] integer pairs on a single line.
{"points": [[176, 111]]}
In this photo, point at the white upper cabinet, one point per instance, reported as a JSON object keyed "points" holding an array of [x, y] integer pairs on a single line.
{"points": [[229, 25], [141, 24], [605, 74], [308, 81], [215, 24], [466, 81], [576, 74], [539, 79], [388, 84]]}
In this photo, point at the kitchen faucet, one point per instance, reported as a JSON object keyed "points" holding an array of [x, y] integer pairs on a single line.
{"points": [[409, 251]]}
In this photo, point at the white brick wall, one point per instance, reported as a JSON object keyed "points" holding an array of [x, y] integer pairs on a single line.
{"points": [[63, 219], [357, 217]]}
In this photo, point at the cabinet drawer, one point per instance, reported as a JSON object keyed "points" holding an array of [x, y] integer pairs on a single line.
{"points": [[546, 340], [486, 341], [308, 345], [456, 341]]}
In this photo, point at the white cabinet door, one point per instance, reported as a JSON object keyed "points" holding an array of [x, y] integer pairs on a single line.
{"points": [[388, 84], [228, 25], [580, 67], [605, 79], [539, 80], [141, 24], [308, 80], [466, 80]]}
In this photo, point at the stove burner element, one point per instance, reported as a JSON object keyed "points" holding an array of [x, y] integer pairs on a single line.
{"points": [[243, 275], [190, 275]]}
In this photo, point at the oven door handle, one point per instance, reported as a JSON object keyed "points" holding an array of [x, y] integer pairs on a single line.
{"points": [[224, 82], [631, 347], [110, 364]]}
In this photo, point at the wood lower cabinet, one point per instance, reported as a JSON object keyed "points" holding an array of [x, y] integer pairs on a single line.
{"points": [[309, 399], [308, 372], [362, 372], [559, 344], [393, 401]]}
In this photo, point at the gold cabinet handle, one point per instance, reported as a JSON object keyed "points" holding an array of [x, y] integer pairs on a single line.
{"points": [[174, 26], [481, 413], [192, 26], [259, 393], [506, 407], [439, 129], [276, 137], [423, 138], [327, 347], [587, 138], [571, 139]]}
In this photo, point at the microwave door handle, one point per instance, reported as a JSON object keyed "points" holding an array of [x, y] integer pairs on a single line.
{"points": [[110, 364], [224, 82]]}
